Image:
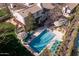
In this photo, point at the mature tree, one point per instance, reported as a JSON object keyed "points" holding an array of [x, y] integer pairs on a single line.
{"points": [[30, 23], [9, 44], [5, 13]]}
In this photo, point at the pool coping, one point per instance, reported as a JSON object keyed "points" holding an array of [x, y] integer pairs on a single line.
{"points": [[36, 53]]}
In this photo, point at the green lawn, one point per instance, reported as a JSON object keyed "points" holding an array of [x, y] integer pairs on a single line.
{"points": [[3, 12]]}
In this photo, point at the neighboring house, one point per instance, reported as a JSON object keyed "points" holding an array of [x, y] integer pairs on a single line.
{"points": [[52, 5], [20, 12], [72, 5], [68, 8], [48, 5]]}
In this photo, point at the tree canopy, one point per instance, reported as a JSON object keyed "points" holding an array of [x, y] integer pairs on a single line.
{"points": [[9, 43], [30, 22]]}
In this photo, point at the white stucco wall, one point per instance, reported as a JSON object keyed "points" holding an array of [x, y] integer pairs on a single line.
{"points": [[19, 17]]}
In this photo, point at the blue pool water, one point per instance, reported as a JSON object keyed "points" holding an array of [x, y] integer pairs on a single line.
{"points": [[28, 36], [40, 42]]}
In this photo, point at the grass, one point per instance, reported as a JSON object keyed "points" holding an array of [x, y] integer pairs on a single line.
{"points": [[3, 12], [6, 27]]}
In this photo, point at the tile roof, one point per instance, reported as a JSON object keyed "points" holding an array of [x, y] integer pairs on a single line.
{"points": [[2, 5], [24, 12], [17, 6], [72, 5], [48, 5]]}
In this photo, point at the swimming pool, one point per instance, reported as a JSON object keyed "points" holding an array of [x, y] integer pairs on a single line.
{"points": [[40, 42]]}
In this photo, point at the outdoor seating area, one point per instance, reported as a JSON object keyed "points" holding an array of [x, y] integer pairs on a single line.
{"points": [[4, 11]]}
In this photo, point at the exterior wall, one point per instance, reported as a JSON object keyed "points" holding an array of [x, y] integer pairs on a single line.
{"points": [[19, 17], [18, 24], [42, 16]]}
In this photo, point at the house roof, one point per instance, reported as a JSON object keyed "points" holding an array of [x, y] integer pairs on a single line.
{"points": [[52, 5], [33, 9], [72, 5], [48, 5], [17, 6], [2, 5]]}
